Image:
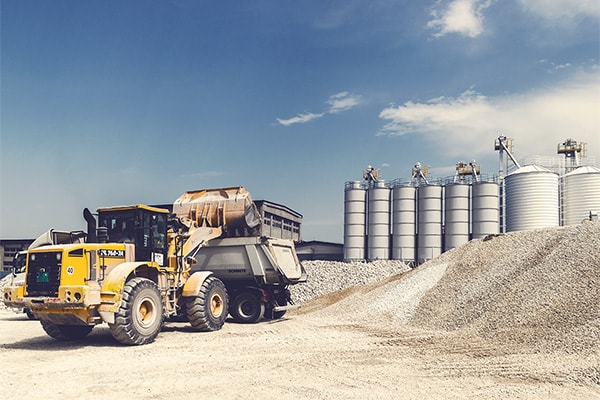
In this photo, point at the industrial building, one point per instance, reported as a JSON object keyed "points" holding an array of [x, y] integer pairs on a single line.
{"points": [[417, 219], [8, 249]]}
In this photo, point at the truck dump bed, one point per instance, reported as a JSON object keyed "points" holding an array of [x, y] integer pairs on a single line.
{"points": [[259, 259]]}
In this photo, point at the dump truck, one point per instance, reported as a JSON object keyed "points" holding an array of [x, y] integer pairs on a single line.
{"points": [[142, 265]]}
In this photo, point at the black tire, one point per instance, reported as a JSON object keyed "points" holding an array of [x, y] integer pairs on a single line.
{"points": [[140, 317], [30, 313], [66, 332], [247, 308], [208, 310]]}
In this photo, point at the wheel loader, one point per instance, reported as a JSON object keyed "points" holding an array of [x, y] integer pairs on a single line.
{"points": [[141, 266]]}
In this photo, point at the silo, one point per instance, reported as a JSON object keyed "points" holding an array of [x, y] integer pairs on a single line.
{"points": [[355, 206], [580, 195], [485, 209], [531, 199], [404, 223], [378, 221], [456, 215], [429, 222]]}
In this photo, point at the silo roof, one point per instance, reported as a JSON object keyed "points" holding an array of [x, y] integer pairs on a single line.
{"points": [[530, 168], [584, 170]]}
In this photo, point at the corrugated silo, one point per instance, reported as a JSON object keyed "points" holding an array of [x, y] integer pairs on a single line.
{"points": [[485, 209], [355, 207], [404, 223], [456, 216], [531, 199], [429, 222], [581, 194], [378, 221]]}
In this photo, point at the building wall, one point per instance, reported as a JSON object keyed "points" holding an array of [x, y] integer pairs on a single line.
{"points": [[8, 249], [315, 250]]}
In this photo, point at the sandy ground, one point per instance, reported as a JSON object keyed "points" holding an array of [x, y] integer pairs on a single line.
{"points": [[305, 355]]}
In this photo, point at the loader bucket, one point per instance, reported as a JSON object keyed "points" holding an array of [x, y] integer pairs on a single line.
{"points": [[231, 208]]}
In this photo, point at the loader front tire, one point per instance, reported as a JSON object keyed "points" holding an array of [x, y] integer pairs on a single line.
{"points": [[66, 332], [140, 317], [208, 310]]}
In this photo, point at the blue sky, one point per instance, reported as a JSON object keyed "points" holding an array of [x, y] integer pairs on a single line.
{"points": [[121, 102]]}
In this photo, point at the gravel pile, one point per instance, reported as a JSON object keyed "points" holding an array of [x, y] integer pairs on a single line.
{"points": [[325, 277], [6, 281], [539, 289]]}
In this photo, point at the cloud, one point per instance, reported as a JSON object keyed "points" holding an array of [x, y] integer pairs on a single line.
{"points": [[539, 119], [299, 119], [464, 17], [338, 102], [562, 10], [342, 101]]}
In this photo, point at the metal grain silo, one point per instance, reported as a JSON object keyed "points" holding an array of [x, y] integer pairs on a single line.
{"points": [[485, 208], [456, 215], [429, 222], [355, 207], [531, 199], [404, 223], [580, 194], [378, 221]]}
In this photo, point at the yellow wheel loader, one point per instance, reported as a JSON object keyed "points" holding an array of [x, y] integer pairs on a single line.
{"points": [[135, 269]]}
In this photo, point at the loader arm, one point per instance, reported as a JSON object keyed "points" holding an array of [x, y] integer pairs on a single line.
{"points": [[197, 237]]}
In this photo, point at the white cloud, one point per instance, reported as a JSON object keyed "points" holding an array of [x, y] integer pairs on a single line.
{"points": [[299, 119], [538, 120], [561, 10], [464, 17], [338, 102], [342, 101]]}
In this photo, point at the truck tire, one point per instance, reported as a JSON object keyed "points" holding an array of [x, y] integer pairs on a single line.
{"points": [[140, 315], [247, 308], [66, 332], [207, 310]]}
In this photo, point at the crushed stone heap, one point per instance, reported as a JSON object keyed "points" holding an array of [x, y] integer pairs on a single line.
{"points": [[539, 289]]}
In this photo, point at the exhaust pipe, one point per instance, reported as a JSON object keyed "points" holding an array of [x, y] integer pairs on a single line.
{"points": [[91, 226]]}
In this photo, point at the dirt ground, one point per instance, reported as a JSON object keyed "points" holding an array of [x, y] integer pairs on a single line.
{"points": [[305, 355]]}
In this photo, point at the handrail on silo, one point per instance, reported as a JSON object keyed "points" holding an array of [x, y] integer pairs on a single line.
{"points": [[355, 185]]}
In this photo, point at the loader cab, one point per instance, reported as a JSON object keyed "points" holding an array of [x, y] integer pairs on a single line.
{"points": [[144, 226]]}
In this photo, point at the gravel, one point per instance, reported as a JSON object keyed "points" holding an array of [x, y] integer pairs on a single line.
{"points": [[325, 277], [539, 289]]}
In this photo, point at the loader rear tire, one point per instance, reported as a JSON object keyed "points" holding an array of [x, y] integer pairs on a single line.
{"points": [[66, 332], [208, 310], [140, 317], [247, 308]]}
